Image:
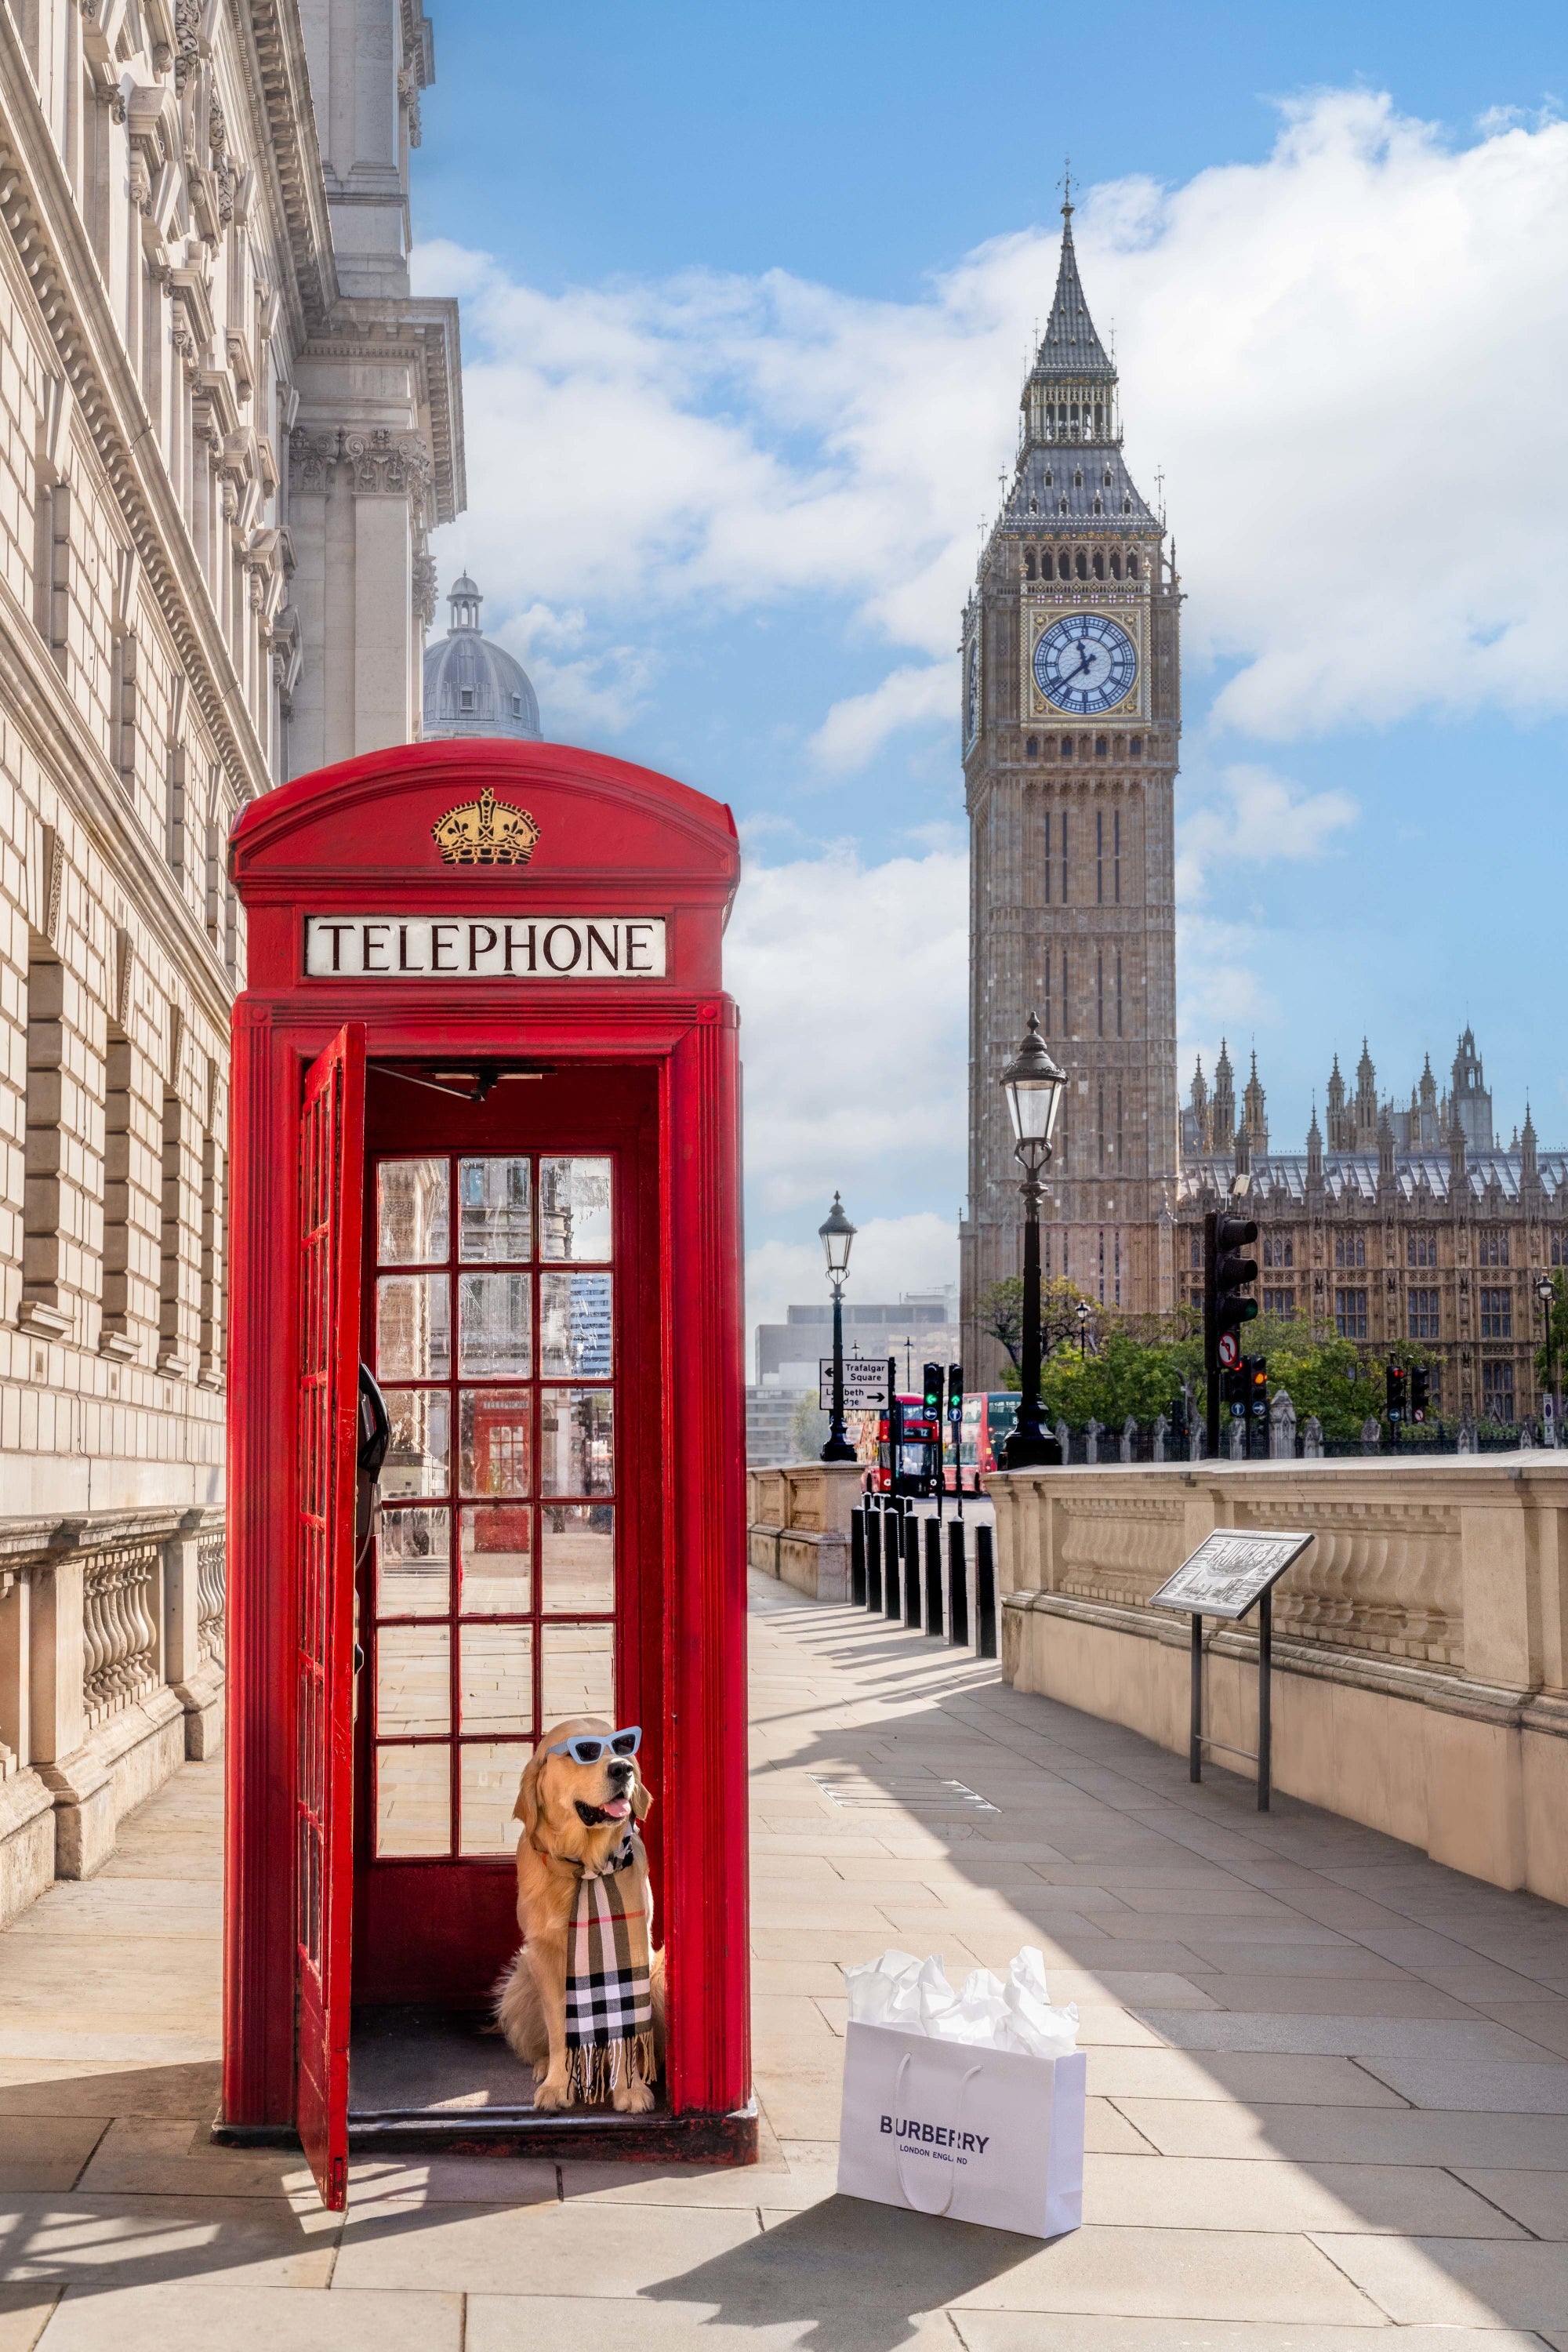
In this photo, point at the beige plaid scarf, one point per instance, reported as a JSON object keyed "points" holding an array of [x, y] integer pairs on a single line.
{"points": [[609, 2002]]}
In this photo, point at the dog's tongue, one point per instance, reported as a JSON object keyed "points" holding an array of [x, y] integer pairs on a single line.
{"points": [[617, 1808]]}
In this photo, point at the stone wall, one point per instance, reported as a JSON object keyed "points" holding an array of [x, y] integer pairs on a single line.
{"points": [[1420, 1647], [797, 1527], [111, 1673]]}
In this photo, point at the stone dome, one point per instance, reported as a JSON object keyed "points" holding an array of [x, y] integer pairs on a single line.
{"points": [[472, 687]]}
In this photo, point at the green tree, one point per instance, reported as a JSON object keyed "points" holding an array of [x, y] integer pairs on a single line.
{"points": [[1002, 1315]]}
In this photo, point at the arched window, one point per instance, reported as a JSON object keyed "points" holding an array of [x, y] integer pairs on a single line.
{"points": [[1045, 564], [1115, 563], [1126, 503], [1032, 748], [1132, 567], [1028, 563], [1048, 478], [1066, 747], [1099, 558], [1119, 749], [1077, 478], [1105, 478], [1082, 565], [1098, 503], [1101, 747], [1135, 749], [1064, 561], [1061, 506]]}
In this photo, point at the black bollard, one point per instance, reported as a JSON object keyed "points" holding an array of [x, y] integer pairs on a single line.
{"points": [[933, 1577], [958, 1587], [857, 1556], [984, 1595], [893, 1561], [912, 1571], [873, 1558]]}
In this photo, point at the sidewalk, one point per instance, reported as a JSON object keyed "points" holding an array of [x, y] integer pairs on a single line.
{"points": [[1329, 2080]]}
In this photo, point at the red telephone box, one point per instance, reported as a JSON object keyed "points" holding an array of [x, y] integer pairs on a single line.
{"points": [[486, 1142]]}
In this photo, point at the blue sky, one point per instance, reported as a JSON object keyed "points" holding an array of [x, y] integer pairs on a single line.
{"points": [[748, 296]]}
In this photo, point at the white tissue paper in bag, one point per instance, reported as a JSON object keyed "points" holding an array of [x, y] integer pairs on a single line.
{"points": [[914, 1995]]}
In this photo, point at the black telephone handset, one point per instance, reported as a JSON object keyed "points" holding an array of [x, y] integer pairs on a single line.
{"points": [[375, 1432]]}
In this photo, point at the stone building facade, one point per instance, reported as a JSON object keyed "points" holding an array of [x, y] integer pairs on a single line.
{"points": [[1407, 1223], [1071, 720], [225, 429]]}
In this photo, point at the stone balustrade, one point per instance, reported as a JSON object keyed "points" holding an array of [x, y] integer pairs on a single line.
{"points": [[798, 1524], [1420, 1645], [112, 1650]]}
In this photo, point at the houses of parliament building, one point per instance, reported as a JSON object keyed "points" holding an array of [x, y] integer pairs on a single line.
{"points": [[1407, 1222]]}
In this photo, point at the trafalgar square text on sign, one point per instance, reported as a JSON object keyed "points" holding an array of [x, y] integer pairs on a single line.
{"points": [[494, 947]]}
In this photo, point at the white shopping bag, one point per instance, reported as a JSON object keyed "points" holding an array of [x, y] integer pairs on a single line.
{"points": [[989, 2136]]}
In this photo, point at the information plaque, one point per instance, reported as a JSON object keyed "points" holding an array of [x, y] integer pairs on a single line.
{"points": [[1230, 1570], [1233, 1571]]}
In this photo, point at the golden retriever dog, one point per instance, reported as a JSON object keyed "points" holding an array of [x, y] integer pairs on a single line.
{"points": [[574, 1819]]}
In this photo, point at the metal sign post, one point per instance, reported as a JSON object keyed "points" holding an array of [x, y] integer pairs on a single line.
{"points": [[1232, 1571]]}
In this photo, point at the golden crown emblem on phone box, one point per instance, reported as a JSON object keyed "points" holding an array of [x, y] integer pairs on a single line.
{"points": [[486, 832]]}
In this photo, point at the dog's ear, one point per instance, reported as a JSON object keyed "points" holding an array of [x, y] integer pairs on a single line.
{"points": [[641, 1797], [526, 1809]]}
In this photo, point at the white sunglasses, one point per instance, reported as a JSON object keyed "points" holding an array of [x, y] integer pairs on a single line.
{"points": [[589, 1746]]}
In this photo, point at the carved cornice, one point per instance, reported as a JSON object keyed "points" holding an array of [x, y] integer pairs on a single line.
{"points": [[71, 314], [378, 462], [269, 31]]}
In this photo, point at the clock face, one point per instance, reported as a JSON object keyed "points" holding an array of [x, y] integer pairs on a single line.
{"points": [[1085, 664]]}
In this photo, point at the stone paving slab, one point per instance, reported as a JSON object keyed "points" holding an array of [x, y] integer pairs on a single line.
{"points": [[1328, 2095]]}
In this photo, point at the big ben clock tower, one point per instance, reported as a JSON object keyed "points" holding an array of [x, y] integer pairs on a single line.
{"points": [[1071, 716]]}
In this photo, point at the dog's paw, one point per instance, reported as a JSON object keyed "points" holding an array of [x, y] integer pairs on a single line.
{"points": [[550, 2097], [633, 2098]]}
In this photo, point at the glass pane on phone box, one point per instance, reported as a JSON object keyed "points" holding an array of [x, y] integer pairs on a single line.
{"points": [[413, 1689], [495, 1679], [413, 1211], [414, 1800], [578, 1667], [493, 1438], [577, 1557], [496, 1578], [576, 1442], [495, 1326], [418, 1458], [575, 1210], [489, 1776], [413, 1327], [414, 1562], [495, 1223], [575, 1326]]}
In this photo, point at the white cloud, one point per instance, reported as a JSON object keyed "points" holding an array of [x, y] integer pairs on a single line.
{"points": [[1258, 819], [851, 982], [891, 1257], [1347, 357], [855, 728]]}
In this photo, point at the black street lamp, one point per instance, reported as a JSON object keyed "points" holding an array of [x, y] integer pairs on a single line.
{"points": [[1034, 1087], [836, 1232], [1082, 1310], [1546, 1291]]}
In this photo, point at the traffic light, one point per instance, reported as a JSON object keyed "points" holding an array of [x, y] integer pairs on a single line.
{"points": [[1258, 1387], [956, 1392], [1228, 1273], [931, 1400], [1420, 1392], [1394, 1392]]}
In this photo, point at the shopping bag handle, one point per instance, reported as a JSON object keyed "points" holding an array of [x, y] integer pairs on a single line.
{"points": [[911, 2199]]}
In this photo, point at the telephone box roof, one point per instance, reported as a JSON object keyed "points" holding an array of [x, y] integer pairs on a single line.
{"points": [[369, 821]]}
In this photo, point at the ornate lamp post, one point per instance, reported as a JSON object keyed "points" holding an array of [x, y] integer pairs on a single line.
{"points": [[1082, 1311], [1033, 1085], [1546, 1291], [835, 1233]]}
